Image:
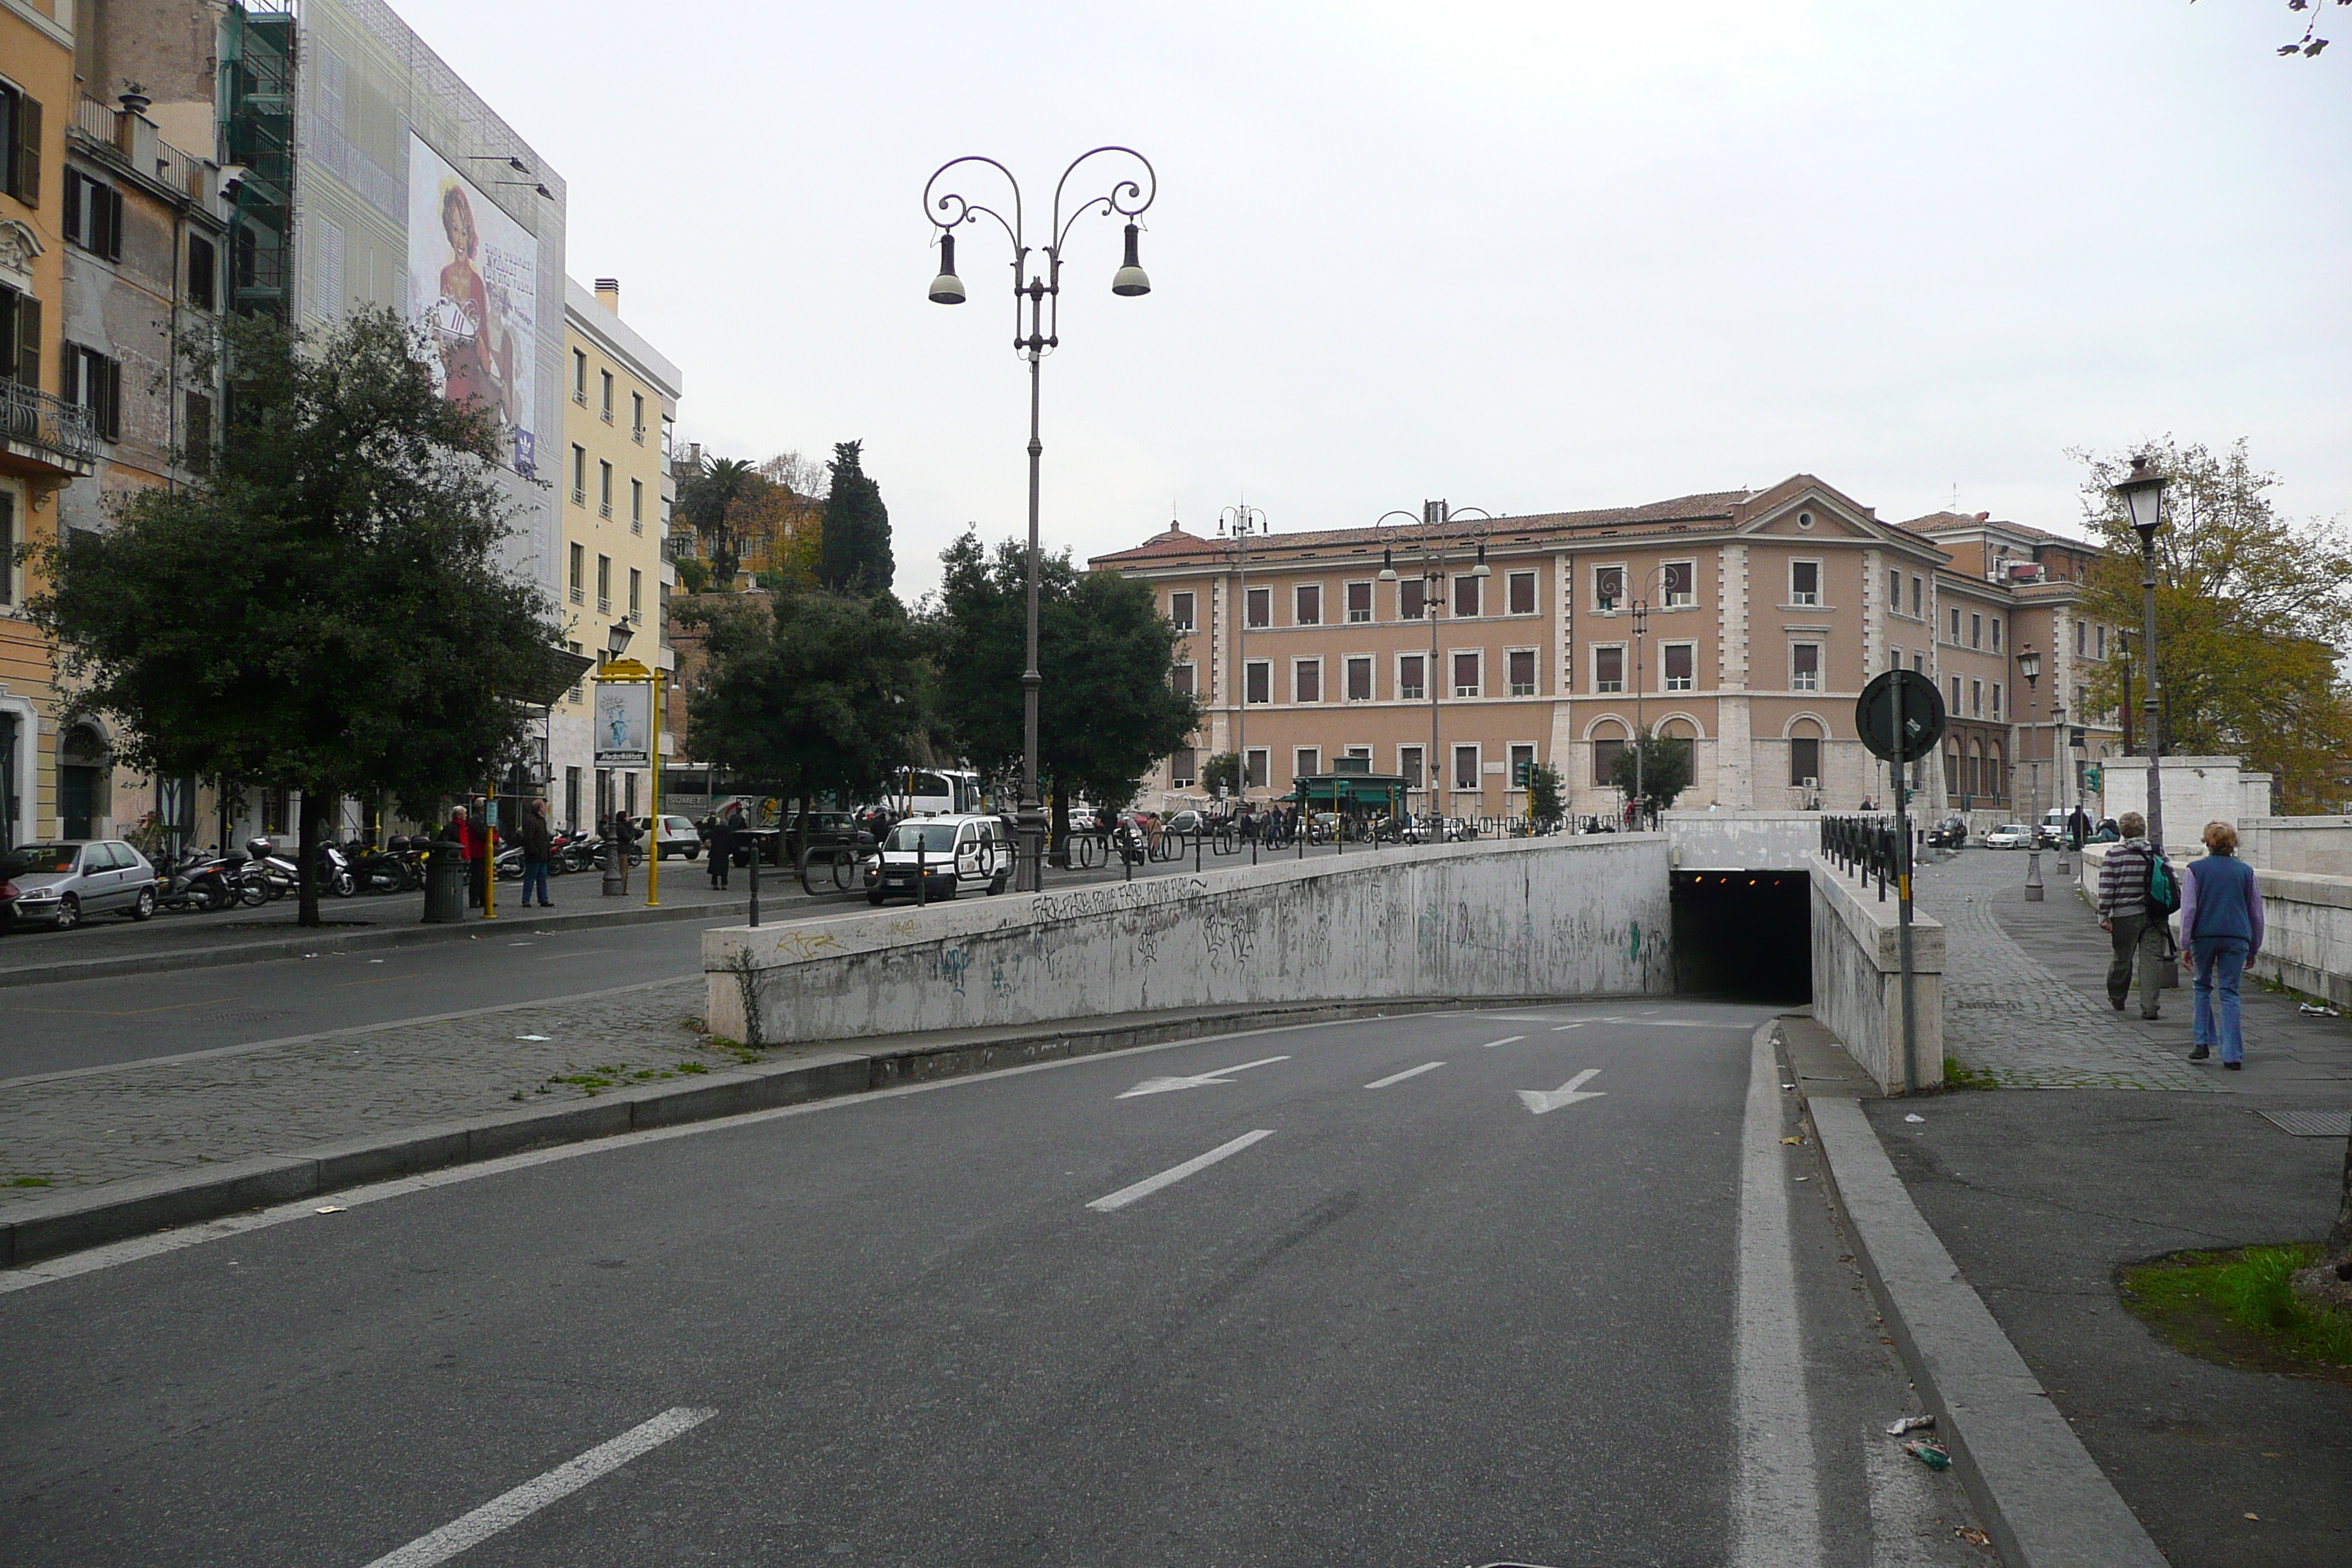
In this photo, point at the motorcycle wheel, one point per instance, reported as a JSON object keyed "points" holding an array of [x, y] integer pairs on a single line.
{"points": [[253, 894], [343, 885]]}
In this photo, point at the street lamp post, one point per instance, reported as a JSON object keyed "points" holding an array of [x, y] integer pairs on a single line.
{"points": [[2143, 497], [1239, 524], [1641, 731], [2061, 752], [1436, 543], [2029, 665], [1039, 289]]}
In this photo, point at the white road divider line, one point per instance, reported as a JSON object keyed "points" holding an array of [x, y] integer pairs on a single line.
{"points": [[1776, 1508], [1505, 1041], [1558, 1027], [1175, 1174], [512, 1508], [1199, 1080], [1409, 1072]]}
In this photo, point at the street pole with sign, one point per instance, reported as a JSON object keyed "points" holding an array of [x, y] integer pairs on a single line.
{"points": [[628, 730], [1900, 717]]}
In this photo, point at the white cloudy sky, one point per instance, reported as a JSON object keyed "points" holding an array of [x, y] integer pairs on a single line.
{"points": [[1530, 257]]}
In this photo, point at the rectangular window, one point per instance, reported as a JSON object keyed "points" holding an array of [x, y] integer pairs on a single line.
{"points": [[1523, 763], [1916, 604], [1996, 699], [572, 797], [1681, 584], [603, 584], [1307, 605], [1465, 675], [1894, 593], [20, 156], [1360, 678], [636, 592], [579, 575], [1465, 767], [1360, 602], [1260, 762], [1465, 598], [1412, 599], [1180, 611], [580, 378], [1804, 581], [636, 506], [1411, 671], [1305, 760], [204, 273], [1805, 761], [93, 216], [8, 551], [1919, 663], [91, 380], [2081, 637], [606, 410], [1955, 638], [1522, 590], [1976, 698], [1805, 667], [1183, 767], [1257, 681], [1523, 672], [1408, 765], [1261, 607], [604, 489], [1608, 669], [1976, 631], [196, 435], [1180, 680], [637, 417], [1680, 666], [1608, 588], [1306, 680], [1953, 707], [2102, 642], [1996, 634], [1604, 761], [1354, 760], [579, 476]]}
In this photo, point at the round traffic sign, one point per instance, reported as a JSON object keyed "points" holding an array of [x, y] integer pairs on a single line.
{"points": [[1923, 715]]}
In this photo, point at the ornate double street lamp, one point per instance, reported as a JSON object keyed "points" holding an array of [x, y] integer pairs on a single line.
{"points": [[1037, 288], [1240, 523], [1433, 535], [2143, 497]]}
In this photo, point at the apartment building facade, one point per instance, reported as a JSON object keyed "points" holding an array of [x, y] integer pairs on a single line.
{"points": [[1747, 622], [621, 407]]}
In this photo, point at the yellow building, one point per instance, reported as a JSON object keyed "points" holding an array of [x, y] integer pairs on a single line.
{"points": [[614, 487], [45, 441]]}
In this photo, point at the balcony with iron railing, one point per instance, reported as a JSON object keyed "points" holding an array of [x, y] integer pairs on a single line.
{"points": [[46, 436]]}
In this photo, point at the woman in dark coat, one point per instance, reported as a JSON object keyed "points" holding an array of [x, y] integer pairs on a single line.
{"points": [[724, 838]]}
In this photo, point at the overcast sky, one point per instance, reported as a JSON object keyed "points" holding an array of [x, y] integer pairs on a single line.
{"points": [[1527, 257]]}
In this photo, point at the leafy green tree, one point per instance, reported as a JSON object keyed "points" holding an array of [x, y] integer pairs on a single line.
{"points": [[717, 502], [855, 552], [1666, 770], [817, 693], [1224, 772], [1545, 803], [692, 575], [2250, 611], [1106, 712], [325, 610]]}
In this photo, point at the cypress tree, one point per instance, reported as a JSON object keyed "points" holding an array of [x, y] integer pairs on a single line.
{"points": [[856, 553]]}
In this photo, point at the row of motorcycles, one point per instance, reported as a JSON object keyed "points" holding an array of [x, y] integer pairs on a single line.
{"points": [[261, 873]]}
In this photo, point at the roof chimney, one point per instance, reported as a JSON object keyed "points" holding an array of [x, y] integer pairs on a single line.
{"points": [[608, 294]]}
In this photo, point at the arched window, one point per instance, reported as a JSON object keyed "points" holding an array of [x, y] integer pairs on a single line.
{"points": [[1608, 746], [1805, 754]]}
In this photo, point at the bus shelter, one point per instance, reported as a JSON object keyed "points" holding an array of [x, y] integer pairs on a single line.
{"points": [[1351, 795]]}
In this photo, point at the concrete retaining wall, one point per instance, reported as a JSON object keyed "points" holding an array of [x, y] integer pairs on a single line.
{"points": [[1857, 978], [1742, 840], [2197, 790], [2315, 846], [1560, 916]]}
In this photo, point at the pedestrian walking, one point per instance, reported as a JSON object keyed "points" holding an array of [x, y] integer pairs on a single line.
{"points": [[724, 837], [2138, 936], [2078, 826], [538, 841], [2220, 930]]}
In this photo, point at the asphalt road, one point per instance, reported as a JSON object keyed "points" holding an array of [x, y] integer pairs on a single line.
{"points": [[1308, 1299]]}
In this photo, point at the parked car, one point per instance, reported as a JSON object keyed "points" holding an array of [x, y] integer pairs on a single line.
{"points": [[60, 882], [678, 836], [2009, 836], [943, 855], [1952, 832]]}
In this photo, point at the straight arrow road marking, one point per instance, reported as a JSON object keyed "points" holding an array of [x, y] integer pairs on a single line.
{"points": [[512, 1508], [1401, 1077], [1164, 1085], [1175, 1174], [1539, 1100], [1505, 1041]]}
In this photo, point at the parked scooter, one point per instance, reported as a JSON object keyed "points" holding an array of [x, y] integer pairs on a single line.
{"points": [[381, 870], [194, 881]]}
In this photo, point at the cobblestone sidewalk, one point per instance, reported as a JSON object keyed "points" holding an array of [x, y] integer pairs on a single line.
{"points": [[143, 1118], [2007, 1015]]}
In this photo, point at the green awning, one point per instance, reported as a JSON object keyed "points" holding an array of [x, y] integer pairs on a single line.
{"points": [[1343, 789]]}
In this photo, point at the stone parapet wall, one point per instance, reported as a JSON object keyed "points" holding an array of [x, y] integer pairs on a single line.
{"points": [[1857, 978]]}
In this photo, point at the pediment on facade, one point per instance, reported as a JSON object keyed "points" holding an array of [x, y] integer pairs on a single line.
{"points": [[19, 246], [1804, 507]]}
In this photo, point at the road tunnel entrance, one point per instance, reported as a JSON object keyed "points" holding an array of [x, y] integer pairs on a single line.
{"points": [[1744, 934]]}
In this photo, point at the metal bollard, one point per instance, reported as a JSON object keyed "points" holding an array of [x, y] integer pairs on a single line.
{"points": [[755, 881], [615, 870], [922, 877], [1196, 853]]}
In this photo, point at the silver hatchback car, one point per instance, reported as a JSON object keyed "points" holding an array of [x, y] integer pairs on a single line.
{"points": [[63, 881]]}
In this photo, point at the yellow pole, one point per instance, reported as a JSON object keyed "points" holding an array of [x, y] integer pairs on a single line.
{"points": [[491, 849], [653, 745]]}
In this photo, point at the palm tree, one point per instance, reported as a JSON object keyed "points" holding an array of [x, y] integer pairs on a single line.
{"points": [[714, 501]]}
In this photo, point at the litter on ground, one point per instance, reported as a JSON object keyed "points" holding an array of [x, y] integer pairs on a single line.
{"points": [[1903, 1424], [1931, 1454], [1914, 1116]]}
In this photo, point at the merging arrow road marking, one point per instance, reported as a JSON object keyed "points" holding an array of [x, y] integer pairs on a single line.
{"points": [[1174, 1173], [1401, 1077], [1540, 1101], [1164, 1085], [1505, 1041]]}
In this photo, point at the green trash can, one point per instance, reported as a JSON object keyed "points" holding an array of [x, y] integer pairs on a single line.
{"points": [[445, 883]]}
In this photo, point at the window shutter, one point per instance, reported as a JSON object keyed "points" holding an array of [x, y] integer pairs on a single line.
{"points": [[199, 436], [113, 196], [25, 171], [29, 341], [114, 396], [72, 205]]}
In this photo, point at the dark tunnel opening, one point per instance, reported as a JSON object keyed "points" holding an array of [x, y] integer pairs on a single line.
{"points": [[1744, 934]]}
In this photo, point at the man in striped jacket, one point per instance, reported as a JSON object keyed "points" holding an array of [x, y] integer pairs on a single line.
{"points": [[2124, 915]]}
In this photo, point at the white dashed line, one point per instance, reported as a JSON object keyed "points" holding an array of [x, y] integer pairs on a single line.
{"points": [[1175, 1174], [1409, 1072], [1505, 1041]]}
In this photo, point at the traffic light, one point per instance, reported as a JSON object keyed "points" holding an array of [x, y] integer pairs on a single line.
{"points": [[2091, 779], [1523, 776]]}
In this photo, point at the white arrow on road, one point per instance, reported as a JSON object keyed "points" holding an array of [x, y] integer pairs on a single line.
{"points": [[1540, 1101], [1164, 1085]]}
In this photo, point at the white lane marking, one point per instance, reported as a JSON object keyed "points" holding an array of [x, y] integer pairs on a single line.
{"points": [[1505, 1041], [1199, 1080], [512, 1508], [1558, 1028], [1401, 1077], [1776, 1497], [1175, 1174], [1540, 1101]]}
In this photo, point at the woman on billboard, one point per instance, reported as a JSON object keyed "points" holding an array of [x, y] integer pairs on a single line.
{"points": [[476, 348]]}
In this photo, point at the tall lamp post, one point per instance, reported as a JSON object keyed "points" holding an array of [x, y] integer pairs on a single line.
{"points": [[1437, 543], [2143, 497], [1641, 729], [1240, 523], [1038, 289], [2029, 665]]}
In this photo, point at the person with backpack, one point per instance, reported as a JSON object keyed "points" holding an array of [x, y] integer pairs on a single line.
{"points": [[2220, 930], [2139, 932]]}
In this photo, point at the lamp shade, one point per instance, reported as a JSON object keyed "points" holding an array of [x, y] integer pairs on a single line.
{"points": [[1388, 564], [947, 289], [2143, 497], [2029, 664], [1482, 569], [1129, 280]]}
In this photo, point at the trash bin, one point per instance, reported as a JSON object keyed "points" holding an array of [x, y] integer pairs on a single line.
{"points": [[444, 884]]}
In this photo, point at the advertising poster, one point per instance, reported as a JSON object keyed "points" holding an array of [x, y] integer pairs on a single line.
{"points": [[474, 276], [625, 723]]}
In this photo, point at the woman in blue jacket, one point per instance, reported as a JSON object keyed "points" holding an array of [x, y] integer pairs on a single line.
{"points": [[2220, 930]]}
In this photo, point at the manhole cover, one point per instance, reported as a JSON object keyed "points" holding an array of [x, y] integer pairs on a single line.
{"points": [[2311, 1123]]}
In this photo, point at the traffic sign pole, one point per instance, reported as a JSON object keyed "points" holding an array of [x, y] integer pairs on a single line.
{"points": [[1879, 718], [1903, 898]]}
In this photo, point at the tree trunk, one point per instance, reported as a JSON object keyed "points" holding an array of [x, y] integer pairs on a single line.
{"points": [[1060, 834], [2339, 1238], [306, 860]]}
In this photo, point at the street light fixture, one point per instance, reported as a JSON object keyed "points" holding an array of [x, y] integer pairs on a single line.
{"points": [[1238, 523], [2143, 497], [1435, 539], [2029, 665], [1039, 291]]}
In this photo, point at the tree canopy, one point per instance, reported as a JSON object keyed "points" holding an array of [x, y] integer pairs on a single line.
{"points": [[856, 553], [1665, 761], [718, 501], [2250, 611], [325, 610]]}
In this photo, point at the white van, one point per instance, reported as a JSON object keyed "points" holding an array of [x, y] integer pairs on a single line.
{"points": [[945, 855]]}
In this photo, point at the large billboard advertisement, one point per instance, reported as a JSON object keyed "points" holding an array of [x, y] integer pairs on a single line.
{"points": [[625, 723], [474, 279]]}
